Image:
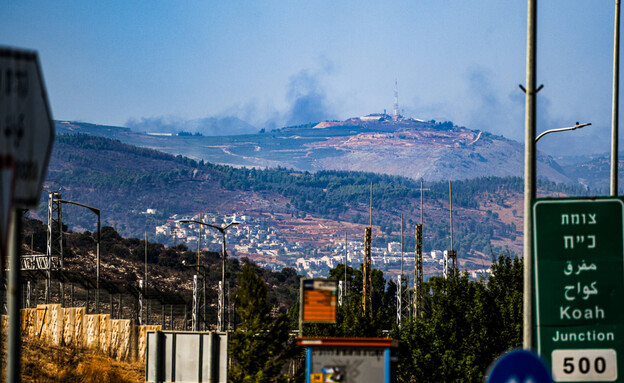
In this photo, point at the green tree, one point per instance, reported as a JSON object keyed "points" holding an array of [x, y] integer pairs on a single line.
{"points": [[261, 346], [466, 326]]}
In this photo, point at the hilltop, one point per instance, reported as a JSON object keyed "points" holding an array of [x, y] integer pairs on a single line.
{"points": [[407, 147]]}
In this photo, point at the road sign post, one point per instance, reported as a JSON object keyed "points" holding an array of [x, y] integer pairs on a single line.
{"points": [[27, 138], [579, 287]]}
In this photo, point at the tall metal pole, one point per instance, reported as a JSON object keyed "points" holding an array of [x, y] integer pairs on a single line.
{"points": [[418, 261], [97, 255], [614, 115], [529, 172], [371, 206], [145, 285], [14, 294], [221, 296], [199, 241], [346, 263], [452, 253], [198, 298], [97, 212], [401, 243], [194, 313], [451, 211]]}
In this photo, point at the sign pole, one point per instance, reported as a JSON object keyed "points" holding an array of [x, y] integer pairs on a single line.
{"points": [[615, 103], [27, 137], [13, 297]]}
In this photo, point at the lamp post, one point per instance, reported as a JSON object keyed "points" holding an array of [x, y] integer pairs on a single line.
{"points": [[195, 309], [222, 230], [576, 126], [530, 178], [97, 212]]}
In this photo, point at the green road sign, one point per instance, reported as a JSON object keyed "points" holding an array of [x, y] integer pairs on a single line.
{"points": [[579, 287]]}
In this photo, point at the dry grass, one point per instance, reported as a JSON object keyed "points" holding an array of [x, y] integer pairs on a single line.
{"points": [[43, 363]]}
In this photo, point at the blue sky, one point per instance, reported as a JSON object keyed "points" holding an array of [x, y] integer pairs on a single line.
{"points": [[276, 62]]}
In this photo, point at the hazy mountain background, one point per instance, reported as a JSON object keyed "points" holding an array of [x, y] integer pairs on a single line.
{"points": [[411, 148]]}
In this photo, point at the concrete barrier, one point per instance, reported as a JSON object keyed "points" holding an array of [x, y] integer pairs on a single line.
{"points": [[121, 339]]}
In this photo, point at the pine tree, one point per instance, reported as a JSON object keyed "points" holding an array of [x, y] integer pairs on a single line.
{"points": [[261, 346]]}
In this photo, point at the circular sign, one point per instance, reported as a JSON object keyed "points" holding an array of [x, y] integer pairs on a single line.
{"points": [[519, 366]]}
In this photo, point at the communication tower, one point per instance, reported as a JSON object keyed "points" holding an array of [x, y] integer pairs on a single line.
{"points": [[450, 257], [419, 295], [403, 293], [367, 282], [395, 108]]}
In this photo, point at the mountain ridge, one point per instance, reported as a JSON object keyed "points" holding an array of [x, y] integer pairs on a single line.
{"points": [[406, 147]]}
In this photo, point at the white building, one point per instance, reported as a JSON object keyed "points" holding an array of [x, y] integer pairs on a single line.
{"points": [[164, 230], [435, 254], [394, 247]]}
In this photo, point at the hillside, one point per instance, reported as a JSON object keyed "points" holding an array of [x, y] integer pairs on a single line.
{"points": [[123, 265], [308, 212], [594, 171], [411, 148]]}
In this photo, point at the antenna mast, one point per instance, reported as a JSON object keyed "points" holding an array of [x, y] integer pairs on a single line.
{"points": [[395, 108], [367, 283], [419, 295], [403, 293], [450, 255]]}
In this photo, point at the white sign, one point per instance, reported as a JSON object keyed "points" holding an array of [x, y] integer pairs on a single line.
{"points": [[585, 365], [26, 127]]}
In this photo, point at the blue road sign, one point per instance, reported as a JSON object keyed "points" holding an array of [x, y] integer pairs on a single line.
{"points": [[519, 366]]}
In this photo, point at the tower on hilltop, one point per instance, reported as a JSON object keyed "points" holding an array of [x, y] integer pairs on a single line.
{"points": [[395, 108]]}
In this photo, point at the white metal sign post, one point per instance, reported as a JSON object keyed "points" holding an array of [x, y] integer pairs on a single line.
{"points": [[27, 135]]}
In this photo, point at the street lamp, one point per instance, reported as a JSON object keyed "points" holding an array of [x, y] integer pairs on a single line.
{"points": [[97, 251], [222, 230], [530, 178], [577, 126]]}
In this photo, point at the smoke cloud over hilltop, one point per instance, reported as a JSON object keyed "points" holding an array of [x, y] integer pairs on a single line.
{"points": [[306, 102], [210, 126]]}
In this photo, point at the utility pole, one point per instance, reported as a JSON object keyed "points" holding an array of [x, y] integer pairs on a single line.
{"points": [[529, 172], [221, 303], [453, 253], [403, 294], [450, 256], [367, 283], [196, 297], [55, 239], [418, 262], [401, 243], [399, 292], [145, 284], [346, 262], [141, 294], [343, 284], [614, 109]]}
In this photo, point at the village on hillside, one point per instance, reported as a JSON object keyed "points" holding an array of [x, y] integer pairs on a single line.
{"points": [[262, 240]]}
